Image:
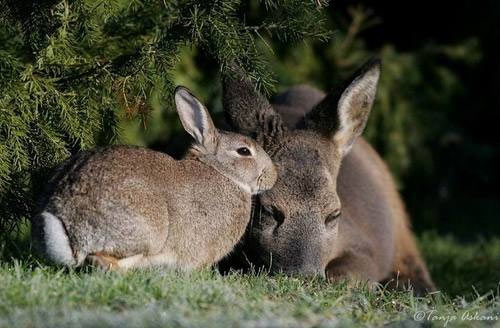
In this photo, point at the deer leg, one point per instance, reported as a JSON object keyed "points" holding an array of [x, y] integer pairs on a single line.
{"points": [[411, 272], [354, 269]]}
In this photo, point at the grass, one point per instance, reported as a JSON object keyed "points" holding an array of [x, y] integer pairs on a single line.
{"points": [[462, 269], [36, 295]]}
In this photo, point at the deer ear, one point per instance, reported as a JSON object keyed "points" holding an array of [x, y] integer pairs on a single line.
{"points": [[195, 119], [246, 109], [344, 117]]}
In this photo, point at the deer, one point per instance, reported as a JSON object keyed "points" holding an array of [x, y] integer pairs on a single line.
{"points": [[334, 211]]}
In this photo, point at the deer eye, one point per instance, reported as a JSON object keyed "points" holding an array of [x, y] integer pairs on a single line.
{"points": [[333, 216], [244, 151]]}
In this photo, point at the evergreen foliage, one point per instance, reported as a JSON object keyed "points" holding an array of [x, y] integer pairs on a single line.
{"points": [[70, 70]]}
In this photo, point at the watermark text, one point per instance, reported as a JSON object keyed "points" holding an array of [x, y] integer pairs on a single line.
{"points": [[433, 315]]}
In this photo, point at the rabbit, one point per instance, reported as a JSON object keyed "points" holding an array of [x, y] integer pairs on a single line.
{"points": [[125, 207]]}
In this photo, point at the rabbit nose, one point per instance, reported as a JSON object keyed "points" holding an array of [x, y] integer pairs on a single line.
{"points": [[267, 178]]}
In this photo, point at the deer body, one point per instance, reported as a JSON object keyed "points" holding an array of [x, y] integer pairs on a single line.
{"points": [[334, 210], [378, 221]]}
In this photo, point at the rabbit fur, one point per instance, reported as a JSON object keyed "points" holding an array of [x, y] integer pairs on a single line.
{"points": [[126, 207]]}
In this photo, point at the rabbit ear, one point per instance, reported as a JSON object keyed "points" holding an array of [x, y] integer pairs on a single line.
{"points": [[195, 119]]}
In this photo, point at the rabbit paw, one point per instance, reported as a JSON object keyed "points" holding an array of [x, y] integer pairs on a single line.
{"points": [[105, 262]]}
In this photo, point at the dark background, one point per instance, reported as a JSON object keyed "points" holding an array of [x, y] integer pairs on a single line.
{"points": [[461, 194]]}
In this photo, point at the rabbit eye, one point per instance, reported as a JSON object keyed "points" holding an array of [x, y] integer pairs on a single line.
{"points": [[243, 151]]}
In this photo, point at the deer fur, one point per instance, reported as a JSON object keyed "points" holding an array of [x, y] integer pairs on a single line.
{"points": [[334, 210]]}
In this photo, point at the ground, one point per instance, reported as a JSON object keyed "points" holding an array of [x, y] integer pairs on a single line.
{"points": [[36, 295]]}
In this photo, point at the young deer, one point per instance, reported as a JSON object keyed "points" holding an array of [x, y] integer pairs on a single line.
{"points": [[334, 210]]}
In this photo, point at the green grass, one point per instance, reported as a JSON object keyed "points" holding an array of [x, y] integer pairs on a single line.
{"points": [[36, 295], [462, 269]]}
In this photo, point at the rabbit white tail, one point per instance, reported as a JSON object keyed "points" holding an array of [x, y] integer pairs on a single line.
{"points": [[56, 241]]}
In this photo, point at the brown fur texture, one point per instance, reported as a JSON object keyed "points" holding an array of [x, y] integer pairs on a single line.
{"points": [[130, 207], [323, 169]]}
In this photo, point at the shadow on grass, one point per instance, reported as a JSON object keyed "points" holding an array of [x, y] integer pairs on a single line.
{"points": [[16, 245]]}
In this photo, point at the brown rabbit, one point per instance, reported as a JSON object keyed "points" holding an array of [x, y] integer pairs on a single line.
{"points": [[129, 207]]}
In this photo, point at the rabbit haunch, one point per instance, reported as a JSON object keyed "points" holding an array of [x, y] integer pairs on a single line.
{"points": [[125, 207]]}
